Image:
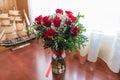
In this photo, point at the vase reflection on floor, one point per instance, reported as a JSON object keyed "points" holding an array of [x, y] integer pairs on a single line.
{"points": [[58, 63]]}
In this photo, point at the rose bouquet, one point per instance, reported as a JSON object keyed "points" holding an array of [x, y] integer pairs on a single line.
{"points": [[60, 31]]}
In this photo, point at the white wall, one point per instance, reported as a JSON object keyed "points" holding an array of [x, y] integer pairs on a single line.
{"points": [[99, 14]]}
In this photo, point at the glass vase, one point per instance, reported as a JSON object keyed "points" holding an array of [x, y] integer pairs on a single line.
{"points": [[58, 63]]}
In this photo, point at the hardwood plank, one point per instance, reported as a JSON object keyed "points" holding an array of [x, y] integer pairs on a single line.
{"points": [[5, 5], [1, 5]]}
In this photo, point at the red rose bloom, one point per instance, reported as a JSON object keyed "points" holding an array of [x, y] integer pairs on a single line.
{"points": [[58, 53], [75, 31], [47, 21], [68, 12], [56, 21], [68, 21], [72, 17], [39, 19], [49, 34], [60, 11]]}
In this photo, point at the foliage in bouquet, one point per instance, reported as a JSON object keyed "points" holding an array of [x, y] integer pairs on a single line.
{"points": [[60, 31]]}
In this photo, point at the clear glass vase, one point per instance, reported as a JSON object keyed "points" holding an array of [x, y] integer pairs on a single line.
{"points": [[58, 63]]}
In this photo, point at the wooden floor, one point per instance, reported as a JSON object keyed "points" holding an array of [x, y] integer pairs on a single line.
{"points": [[31, 63]]}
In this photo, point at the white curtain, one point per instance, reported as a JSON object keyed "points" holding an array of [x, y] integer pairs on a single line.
{"points": [[102, 20], [105, 46]]}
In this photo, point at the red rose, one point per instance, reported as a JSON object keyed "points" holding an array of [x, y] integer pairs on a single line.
{"points": [[68, 21], [58, 53], [47, 21], [38, 19], [56, 21], [60, 11], [72, 17], [75, 31], [49, 34], [68, 12]]}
